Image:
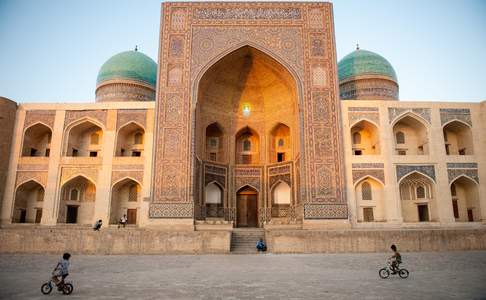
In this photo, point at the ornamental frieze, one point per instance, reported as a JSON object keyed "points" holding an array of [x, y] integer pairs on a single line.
{"points": [[368, 166], [73, 115], [325, 211], [23, 177], [209, 41], [44, 116], [394, 112], [125, 116], [403, 170], [453, 174], [247, 13], [70, 173], [279, 169], [171, 210], [449, 114], [362, 173], [116, 176], [462, 165]]}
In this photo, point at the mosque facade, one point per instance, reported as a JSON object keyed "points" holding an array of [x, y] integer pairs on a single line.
{"points": [[247, 120]]}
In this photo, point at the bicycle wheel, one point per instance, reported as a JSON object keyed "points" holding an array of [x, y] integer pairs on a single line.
{"points": [[384, 273], [67, 289], [46, 288], [403, 273]]}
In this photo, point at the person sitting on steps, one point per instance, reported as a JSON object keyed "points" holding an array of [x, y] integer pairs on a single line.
{"points": [[261, 247], [97, 225], [123, 221]]}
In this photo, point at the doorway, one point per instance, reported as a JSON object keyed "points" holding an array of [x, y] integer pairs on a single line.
{"points": [[423, 212], [247, 207], [72, 214], [132, 216]]}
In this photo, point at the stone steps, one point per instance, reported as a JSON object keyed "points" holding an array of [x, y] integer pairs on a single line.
{"points": [[243, 241]]}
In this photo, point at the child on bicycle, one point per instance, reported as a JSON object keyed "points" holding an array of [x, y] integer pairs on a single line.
{"points": [[61, 270], [395, 259]]}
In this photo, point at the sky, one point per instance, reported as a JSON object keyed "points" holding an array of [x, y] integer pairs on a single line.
{"points": [[51, 50]]}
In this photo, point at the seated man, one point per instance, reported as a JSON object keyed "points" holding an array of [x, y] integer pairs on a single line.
{"points": [[123, 221], [261, 247], [97, 225]]}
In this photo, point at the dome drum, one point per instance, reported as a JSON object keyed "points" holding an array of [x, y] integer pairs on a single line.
{"points": [[371, 88], [124, 90]]}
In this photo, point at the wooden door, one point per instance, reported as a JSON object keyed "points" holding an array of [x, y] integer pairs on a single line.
{"points": [[132, 216], [38, 215], [470, 216], [247, 208], [251, 210]]}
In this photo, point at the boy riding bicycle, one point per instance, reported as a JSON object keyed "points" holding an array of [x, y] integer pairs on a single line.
{"points": [[61, 271], [395, 259]]}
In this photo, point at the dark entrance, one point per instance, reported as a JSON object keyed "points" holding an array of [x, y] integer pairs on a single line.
{"points": [[23, 215], [246, 200], [72, 214], [470, 216], [38, 215], [423, 212]]}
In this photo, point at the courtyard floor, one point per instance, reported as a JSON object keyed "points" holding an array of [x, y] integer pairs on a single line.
{"points": [[440, 275]]}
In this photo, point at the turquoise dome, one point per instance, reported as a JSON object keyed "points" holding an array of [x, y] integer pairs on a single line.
{"points": [[131, 65], [362, 62]]}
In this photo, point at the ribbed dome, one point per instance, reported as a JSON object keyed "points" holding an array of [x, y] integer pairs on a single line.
{"points": [[130, 65], [362, 62]]}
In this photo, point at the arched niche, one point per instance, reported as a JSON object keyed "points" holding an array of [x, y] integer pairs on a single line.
{"points": [[37, 141], [215, 143], [130, 140], [458, 139], [84, 139], [77, 207], [465, 200], [418, 200], [247, 144], [280, 144], [365, 138], [411, 137], [281, 199], [370, 203], [246, 89], [125, 201], [29, 199], [214, 199]]}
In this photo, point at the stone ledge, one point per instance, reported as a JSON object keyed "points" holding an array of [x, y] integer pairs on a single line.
{"points": [[353, 241], [112, 241]]}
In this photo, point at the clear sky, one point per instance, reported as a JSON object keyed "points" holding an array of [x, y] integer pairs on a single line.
{"points": [[51, 50]]}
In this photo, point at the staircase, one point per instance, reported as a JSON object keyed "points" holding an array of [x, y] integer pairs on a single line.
{"points": [[243, 240]]}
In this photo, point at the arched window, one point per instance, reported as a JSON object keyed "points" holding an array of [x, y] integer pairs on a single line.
{"points": [[74, 195], [133, 193], [40, 194], [357, 138], [400, 137], [280, 142], [138, 138], [95, 139], [420, 192], [246, 145], [366, 191]]}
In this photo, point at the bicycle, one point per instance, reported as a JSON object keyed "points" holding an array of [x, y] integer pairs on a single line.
{"points": [[386, 271], [66, 288]]}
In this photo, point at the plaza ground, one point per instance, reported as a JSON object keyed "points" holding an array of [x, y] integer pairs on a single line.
{"points": [[433, 275]]}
